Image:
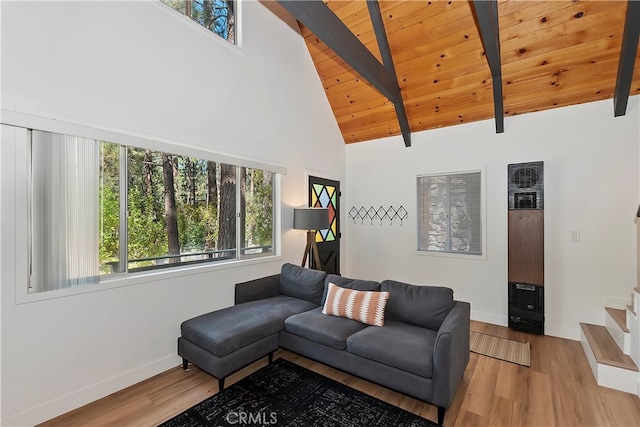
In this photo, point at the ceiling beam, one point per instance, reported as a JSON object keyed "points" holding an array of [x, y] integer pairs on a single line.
{"points": [[321, 21], [627, 58], [486, 14], [387, 61]]}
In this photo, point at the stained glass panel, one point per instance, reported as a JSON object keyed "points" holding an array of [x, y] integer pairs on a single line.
{"points": [[324, 196]]}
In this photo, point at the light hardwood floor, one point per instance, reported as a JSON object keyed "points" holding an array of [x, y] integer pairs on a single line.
{"points": [[557, 390]]}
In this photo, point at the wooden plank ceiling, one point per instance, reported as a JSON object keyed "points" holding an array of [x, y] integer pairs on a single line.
{"points": [[553, 53]]}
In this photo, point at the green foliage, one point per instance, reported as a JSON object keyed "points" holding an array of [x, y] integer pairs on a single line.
{"points": [[259, 215], [146, 234], [211, 226], [109, 206], [198, 223], [192, 228], [109, 227]]}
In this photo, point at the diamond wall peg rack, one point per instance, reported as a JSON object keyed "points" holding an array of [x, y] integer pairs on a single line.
{"points": [[391, 214]]}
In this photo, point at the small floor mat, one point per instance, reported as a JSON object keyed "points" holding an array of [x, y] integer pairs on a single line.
{"points": [[501, 348]]}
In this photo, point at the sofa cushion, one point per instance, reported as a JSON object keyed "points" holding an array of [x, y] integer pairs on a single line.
{"points": [[224, 331], [328, 330], [363, 306], [425, 306], [345, 282], [303, 283], [397, 344]]}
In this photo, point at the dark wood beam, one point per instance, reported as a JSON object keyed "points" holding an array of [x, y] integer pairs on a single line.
{"points": [[316, 15], [627, 58], [387, 60], [322, 22], [486, 16]]}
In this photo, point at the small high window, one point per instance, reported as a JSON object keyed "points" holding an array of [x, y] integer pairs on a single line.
{"points": [[218, 16]]}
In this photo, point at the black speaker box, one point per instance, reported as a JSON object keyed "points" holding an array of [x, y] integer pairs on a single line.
{"points": [[526, 185]]}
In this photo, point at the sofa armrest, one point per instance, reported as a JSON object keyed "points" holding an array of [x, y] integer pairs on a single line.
{"points": [[451, 353], [264, 287]]}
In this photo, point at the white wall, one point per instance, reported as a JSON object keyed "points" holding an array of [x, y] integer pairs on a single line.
{"points": [[140, 68], [591, 185]]}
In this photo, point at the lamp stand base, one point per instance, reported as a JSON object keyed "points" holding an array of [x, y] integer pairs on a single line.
{"points": [[311, 245]]}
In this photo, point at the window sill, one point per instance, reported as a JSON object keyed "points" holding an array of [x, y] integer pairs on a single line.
{"points": [[471, 257], [118, 281]]}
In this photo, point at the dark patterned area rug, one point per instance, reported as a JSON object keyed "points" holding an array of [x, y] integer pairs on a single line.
{"points": [[285, 394]]}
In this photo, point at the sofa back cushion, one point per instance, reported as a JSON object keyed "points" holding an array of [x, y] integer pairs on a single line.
{"points": [[345, 282], [424, 306], [303, 283]]}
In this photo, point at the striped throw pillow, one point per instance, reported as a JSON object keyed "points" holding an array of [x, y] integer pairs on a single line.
{"points": [[363, 306]]}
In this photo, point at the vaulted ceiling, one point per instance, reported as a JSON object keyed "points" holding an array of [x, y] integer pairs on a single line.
{"points": [[551, 54]]}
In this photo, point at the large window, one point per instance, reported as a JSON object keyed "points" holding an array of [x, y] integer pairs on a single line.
{"points": [[100, 208], [449, 213], [218, 16]]}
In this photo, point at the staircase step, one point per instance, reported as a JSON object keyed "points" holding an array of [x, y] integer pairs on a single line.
{"points": [[630, 308], [637, 290], [620, 317], [605, 349]]}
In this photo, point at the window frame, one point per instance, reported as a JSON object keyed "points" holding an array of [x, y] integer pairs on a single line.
{"points": [[483, 217], [16, 158], [124, 260], [238, 24]]}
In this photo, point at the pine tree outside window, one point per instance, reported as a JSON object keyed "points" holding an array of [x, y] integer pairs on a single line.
{"points": [[218, 16]]}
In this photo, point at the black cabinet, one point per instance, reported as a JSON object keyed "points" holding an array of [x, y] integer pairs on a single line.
{"points": [[526, 307]]}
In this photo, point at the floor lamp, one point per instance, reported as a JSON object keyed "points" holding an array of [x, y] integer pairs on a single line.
{"points": [[311, 219]]}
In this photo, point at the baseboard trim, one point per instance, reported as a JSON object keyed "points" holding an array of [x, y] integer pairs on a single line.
{"points": [[562, 331], [549, 329], [489, 318], [81, 397]]}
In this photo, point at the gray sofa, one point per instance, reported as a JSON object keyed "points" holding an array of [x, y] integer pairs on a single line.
{"points": [[422, 350]]}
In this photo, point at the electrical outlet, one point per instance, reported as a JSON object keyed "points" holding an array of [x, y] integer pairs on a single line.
{"points": [[575, 236]]}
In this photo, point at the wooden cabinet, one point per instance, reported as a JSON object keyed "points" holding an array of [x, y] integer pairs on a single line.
{"points": [[526, 246]]}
